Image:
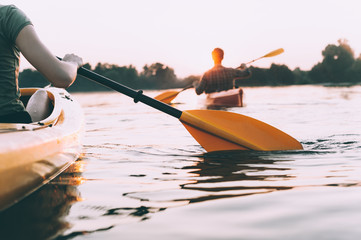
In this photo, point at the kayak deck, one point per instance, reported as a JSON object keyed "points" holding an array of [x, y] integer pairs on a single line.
{"points": [[33, 154]]}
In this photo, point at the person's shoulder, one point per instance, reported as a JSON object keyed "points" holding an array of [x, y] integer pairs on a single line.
{"points": [[9, 10], [216, 68], [237, 69], [209, 71], [10, 7], [12, 21]]}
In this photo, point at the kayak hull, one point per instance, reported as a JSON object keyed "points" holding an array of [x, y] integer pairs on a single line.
{"points": [[230, 98], [33, 154]]}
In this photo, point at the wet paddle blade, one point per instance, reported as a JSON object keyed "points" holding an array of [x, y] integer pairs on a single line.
{"points": [[167, 96], [210, 142], [219, 131]]}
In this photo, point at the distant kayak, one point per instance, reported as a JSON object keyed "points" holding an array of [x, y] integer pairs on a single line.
{"points": [[33, 154], [230, 98]]}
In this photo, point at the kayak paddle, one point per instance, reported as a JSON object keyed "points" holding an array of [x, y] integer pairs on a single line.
{"points": [[213, 130], [168, 96], [270, 54]]}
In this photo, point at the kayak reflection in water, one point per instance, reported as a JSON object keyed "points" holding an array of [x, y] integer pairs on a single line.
{"points": [[220, 78], [42, 215]]}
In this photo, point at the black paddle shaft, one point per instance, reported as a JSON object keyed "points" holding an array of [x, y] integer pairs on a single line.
{"points": [[136, 95]]}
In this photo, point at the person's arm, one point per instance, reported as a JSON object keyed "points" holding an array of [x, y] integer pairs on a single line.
{"points": [[60, 73], [199, 86], [243, 71]]}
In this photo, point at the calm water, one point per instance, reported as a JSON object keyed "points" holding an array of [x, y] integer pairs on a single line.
{"points": [[143, 176]]}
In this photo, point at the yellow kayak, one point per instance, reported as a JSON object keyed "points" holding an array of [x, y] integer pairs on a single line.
{"points": [[33, 154]]}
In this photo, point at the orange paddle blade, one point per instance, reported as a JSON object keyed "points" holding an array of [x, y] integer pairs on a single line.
{"points": [[219, 131], [211, 142], [270, 54], [167, 96], [274, 53]]}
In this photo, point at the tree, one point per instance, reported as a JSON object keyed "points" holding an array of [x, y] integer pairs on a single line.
{"points": [[126, 75], [301, 77], [353, 74], [281, 75], [158, 75], [336, 62], [337, 66], [189, 80], [318, 74], [32, 78], [259, 77]]}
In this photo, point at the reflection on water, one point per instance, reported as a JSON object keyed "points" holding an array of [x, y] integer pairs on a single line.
{"points": [[147, 178], [187, 180], [224, 175], [148, 165], [234, 174], [41, 215]]}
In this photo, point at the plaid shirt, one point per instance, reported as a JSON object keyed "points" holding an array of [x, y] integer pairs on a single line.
{"points": [[220, 78]]}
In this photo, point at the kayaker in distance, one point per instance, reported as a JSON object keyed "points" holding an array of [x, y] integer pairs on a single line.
{"points": [[17, 35], [220, 78]]}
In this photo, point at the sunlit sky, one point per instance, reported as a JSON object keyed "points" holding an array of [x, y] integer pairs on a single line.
{"points": [[182, 33]]}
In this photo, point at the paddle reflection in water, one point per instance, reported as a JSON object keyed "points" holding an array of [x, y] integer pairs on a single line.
{"points": [[42, 214], [220, 175], [234, 174]]}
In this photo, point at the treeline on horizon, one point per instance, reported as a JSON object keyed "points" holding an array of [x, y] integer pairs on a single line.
{"points": [[339, 66]]}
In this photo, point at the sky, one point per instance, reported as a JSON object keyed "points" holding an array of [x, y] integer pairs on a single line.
{"points": [[182, 33]]}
